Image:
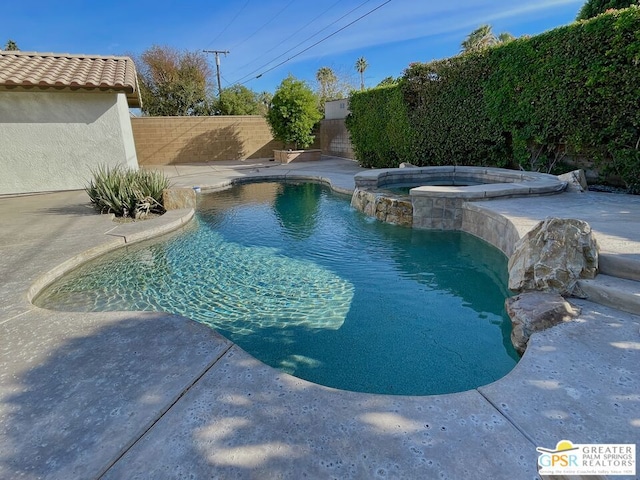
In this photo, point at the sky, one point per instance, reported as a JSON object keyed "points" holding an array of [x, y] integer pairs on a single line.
{"points": [[271, 39]]}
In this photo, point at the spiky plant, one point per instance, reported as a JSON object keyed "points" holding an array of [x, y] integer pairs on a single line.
{"points": [[127, 192]]}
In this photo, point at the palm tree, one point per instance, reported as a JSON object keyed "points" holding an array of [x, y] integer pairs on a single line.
{"points": [[327, 83], [482, 37], [361, 66]]}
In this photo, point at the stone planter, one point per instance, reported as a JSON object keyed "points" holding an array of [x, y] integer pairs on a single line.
{"points": [[288, 156]]}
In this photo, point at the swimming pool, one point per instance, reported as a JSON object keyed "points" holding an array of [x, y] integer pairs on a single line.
{"points": [[299, 279]]}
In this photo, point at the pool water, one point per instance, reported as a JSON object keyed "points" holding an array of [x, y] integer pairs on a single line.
{"points": [[296, 277], [405, 188]]}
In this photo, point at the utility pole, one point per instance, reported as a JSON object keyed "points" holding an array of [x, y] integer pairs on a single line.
{"points": [[217, 54]]}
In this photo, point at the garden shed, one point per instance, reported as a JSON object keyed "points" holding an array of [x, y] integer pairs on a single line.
{"points": [[61, 116]]}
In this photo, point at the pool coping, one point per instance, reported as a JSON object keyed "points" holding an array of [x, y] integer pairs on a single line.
{"points": [[443, 207], [500, 182], [395, 425], [123, 234]]}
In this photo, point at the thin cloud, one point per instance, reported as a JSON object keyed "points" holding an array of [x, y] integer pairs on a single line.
{"points": [[422, 21], [398, 21]]}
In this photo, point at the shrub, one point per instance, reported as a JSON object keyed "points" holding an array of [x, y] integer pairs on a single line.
{"points": [[127, 192], [593, 8], [526, 104], [293, 113], [449, 114], [572, 90], [379, 127]]}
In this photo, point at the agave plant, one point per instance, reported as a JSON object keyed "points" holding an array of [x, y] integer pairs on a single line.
{"points": [[127, 192]]}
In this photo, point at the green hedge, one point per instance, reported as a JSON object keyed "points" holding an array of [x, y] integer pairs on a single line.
{"points": [[573, 90], [448, 113], [380, 131]]}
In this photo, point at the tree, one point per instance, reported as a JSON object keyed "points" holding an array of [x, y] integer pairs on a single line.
{"points": [[11, 46], [331, 86], [293, 113], [595, 7], [174, 83], [327, 84], [505, 37], [387, 81], [264, 100], [238, 100], [361, 66], [483, 37]]}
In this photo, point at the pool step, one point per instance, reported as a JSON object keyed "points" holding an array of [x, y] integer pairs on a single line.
{"points": [[621, 266], [620, 293]]}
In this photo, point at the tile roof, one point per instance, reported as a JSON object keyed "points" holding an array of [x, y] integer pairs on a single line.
{"points": [[28, 70]]}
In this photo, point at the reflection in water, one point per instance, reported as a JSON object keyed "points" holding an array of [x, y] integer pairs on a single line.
{"points": [[297, 209], [296, 277]]}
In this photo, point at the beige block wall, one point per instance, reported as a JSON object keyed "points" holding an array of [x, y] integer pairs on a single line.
{"points": [[176, 140], [334, 139]]}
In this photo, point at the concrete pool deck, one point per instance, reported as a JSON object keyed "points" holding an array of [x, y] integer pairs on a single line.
{"points": [[152, 395]]}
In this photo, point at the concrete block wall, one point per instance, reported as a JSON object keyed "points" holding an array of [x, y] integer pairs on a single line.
{"points": [[176, 140], [334, 139]]}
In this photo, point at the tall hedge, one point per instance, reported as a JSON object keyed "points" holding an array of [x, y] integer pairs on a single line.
{"points": [[572, 90], [448, 113], [380, 131], [575, 89], [595, 7]]}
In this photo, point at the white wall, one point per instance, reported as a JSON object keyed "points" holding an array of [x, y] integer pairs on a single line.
{"points": [[336, 109], [52, 140]]}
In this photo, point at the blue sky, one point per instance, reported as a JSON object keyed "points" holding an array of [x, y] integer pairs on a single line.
{"points": [[259, 34]]}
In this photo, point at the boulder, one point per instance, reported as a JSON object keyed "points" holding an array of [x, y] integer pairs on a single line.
{"points": [[407, 165], [576, 181], [176, 198], [553, 257], [532, 312]]}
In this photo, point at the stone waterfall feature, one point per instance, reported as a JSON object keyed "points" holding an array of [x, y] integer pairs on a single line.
{"points": [[438, 195], [386, 208]]}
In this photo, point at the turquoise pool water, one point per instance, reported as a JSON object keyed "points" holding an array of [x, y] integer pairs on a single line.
{"points": [[295, 276], [405, 188]]}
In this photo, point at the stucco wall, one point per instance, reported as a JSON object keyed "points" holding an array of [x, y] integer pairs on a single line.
{"points": [[336, 109], [52, 140], [175, 140]]}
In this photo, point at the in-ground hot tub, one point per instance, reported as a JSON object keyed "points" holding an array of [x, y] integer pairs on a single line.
{"points": [[437, 195]]}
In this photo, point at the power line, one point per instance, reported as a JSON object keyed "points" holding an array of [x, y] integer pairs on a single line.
{"points": [[264, 25], [230, 23], [305, 40], [318, 42], [292, 35]]}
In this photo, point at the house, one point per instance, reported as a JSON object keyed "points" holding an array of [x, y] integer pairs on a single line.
{"points": [[336, 109], [61, 116], [334, 137]]}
